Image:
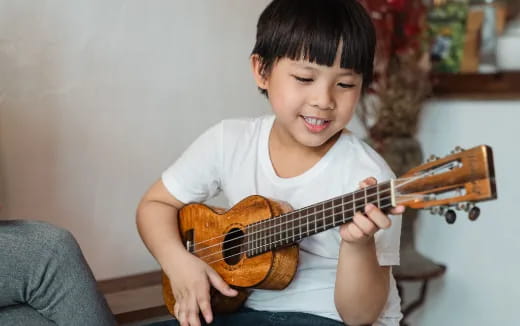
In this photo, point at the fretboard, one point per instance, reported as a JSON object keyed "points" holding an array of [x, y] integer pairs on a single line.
{"points": [[286, 229]]}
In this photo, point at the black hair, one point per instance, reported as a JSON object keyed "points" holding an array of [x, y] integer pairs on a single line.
{"points": [[312, 30]]}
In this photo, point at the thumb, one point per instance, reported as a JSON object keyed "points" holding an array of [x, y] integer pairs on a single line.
{"points": [[370, 181], [219, 284]]}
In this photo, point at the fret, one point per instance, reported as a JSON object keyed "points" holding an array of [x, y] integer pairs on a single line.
{"points": [[317, 211], [300, 222], [317, 218], [292, 227], [247, 238], [255, 238], [353, 204], [323, 207], [342, 211], [276, 231], [264, 236], [273, 232], [337, 211], [378, 198], [306, 234], [295, 226], [267, 234], [288, 221], [283, 226], [327, 211], [252, 239], [259, 237], [365, 198]]}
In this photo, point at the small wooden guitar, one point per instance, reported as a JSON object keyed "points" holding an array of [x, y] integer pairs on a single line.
{"points": [[254, 244]]}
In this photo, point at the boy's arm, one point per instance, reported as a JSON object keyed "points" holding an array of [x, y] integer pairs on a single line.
{"points": [[190, 277], [362, 285], [157, 224]]}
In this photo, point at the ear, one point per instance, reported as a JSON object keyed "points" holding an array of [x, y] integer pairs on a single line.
{"points": [[258, 72]]}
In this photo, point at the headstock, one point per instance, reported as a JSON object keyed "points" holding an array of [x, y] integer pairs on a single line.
{"points": [[457, 181]]}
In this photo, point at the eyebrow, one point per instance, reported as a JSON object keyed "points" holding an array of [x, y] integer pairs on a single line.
{"points": [[308, 67]]}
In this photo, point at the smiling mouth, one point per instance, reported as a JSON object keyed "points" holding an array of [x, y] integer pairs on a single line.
{"points": [[315, 124], [315, 121]]}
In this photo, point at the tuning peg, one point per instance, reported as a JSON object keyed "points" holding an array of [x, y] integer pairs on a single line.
{"points": [[457, 149], [463, 206], [474, 213], [450, 216], [432, 158], [437, 210]]}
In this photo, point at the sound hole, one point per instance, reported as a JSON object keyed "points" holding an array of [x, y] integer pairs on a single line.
{"points": [[232, 246]]}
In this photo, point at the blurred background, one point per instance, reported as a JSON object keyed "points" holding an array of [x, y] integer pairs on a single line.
{"points": [[97, 98]]}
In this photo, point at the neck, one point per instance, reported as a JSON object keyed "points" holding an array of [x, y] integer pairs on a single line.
{"points": [[286, 229]]}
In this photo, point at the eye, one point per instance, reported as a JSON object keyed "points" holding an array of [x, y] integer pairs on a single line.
{"points": [[345, 85], [302, 79]]}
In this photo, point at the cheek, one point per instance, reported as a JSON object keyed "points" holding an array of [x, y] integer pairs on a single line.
{"points": [[285, 100], [349, 103]]}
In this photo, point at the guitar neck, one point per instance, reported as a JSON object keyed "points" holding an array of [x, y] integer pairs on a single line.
{"points": [[286, 229]]}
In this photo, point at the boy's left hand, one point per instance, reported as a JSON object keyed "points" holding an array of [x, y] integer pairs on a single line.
{"points": [[365, 224]]}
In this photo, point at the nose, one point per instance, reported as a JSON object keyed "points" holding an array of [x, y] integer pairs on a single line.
{"points": [[322, 98]]}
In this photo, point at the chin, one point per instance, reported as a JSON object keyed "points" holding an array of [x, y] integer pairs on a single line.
{"points": [[314, 142]]}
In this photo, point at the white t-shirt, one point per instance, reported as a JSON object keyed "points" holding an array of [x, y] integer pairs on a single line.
{"points": [[233, 157]]}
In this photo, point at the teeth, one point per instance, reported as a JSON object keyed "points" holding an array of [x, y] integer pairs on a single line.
{"points": [[316, 122]]}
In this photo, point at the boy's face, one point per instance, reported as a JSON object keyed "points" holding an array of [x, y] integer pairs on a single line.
{"points": [[311, 102]]}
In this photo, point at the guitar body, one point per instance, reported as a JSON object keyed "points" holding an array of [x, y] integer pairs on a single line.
{"points": [[212, 231]]}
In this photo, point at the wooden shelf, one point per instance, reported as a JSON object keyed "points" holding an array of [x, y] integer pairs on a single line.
{"points": [[502, 85]]}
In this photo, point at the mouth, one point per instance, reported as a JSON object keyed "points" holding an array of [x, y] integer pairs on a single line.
{"points": [[315, 124]]}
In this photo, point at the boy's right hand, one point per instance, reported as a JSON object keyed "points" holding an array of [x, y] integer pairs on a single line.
{"points": [[191, 288]]}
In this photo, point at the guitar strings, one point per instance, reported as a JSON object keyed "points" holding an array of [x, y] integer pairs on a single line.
{"points": [[403, 182], [239, 253], [263, 222], [279, 218], [344, 220], [279, 225]]}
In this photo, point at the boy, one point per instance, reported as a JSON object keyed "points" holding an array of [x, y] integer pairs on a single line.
{"points": [[312, 59]]}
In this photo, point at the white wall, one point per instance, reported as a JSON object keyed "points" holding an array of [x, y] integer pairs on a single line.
{"points": [[480, 285], [98, 97]]}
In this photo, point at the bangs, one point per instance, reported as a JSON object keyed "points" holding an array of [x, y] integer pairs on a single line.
{"points": [[314, 30]]}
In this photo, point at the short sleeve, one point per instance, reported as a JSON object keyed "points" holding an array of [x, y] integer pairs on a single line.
{"points": [[196, 175]]}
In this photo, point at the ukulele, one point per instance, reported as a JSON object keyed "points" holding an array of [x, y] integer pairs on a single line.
{"points": [[254, 244]]}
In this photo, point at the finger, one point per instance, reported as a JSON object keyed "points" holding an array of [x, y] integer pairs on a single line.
{"points": [[182, 317], [356, 232], [176, 310], [397, 210], [379, 218], [365, 224], [345, 233], [193, 312], [368, 182], [204, 303], [219, 284]]}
